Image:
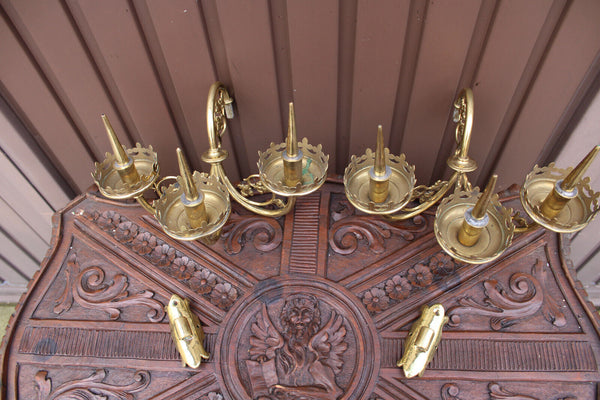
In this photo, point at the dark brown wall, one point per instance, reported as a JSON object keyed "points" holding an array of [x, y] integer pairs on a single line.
{"points": [[348, 66]]}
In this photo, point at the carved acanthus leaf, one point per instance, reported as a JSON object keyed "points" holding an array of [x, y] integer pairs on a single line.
{"points": [[346, 233], [91, 290], [526, 296], [90, 388], [265, 233]]}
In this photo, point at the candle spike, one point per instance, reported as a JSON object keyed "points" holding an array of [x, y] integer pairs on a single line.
{"points": [[379, 165], [291, 140], [484, 201], [120, 154], [188, 186], [575, 176]]}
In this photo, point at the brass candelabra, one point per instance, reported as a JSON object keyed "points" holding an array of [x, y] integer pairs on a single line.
{"points": [[196, 205], [470, 226]]}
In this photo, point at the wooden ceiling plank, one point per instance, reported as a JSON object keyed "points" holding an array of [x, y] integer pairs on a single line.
{"points": [[572, 52], [380, 38], [445, 43], [314, 61], [118, 47]]}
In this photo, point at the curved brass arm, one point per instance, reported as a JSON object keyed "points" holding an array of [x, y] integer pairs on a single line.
{"points": [[142, 201], [410, 212], [255, 207], [218, 110]]}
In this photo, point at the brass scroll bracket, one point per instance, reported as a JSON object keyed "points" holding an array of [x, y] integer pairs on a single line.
{"points": [[186, 332], [422, 341]]}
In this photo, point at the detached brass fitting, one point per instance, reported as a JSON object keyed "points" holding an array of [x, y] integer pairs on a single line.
{"points": [[123, 164], [476, 218], [565, 190], [292, 156], [191, 198], [186, 332], [379, 174]]}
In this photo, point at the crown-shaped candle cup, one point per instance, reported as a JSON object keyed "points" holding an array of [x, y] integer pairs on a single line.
{"points": [[196, 206], [473, 227], [561, 199], [293, 168], [379, 182], [125, 173]]}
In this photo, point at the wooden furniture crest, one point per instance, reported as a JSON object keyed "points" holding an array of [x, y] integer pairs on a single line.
{"points": [[313, 305]]}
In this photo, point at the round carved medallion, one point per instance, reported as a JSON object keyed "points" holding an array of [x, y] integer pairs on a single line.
{"points": [[298, 339]]}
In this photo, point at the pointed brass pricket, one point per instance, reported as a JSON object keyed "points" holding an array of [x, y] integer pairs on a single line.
{"points": [[380, 173], [125, 173], [379, 182], [476, 218], [292, 156], [191, 198], [559, 199]]}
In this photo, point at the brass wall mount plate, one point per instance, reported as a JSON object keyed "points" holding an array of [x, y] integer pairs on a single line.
{"points": [[578, 212], [109, 182], [170, 211], [494, 239], [401, 183], [314, 169]]}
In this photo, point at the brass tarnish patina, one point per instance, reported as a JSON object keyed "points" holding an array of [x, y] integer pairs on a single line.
{"points": [[197, 205], [186, 332], [469, 230], [422, 340]]}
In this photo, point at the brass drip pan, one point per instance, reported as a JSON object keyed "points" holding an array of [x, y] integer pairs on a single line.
{"points": [[578, 212], [494, 239], [314, 169], [401, 183], [109, 181], [170, 211]]}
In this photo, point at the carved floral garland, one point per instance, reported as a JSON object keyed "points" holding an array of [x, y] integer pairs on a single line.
{"points": [[171, 261], [90, 388], [90, 290], [526, 296], [348, 229], [400, 286]]}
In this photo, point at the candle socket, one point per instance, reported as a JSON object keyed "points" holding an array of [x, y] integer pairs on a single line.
{"points": [[476, 218], [128, 172], [292, 169], [556, 200], [195, 210]]}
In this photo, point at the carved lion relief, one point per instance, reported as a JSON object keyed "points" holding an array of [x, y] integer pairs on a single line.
{"points": [[300, 361]]}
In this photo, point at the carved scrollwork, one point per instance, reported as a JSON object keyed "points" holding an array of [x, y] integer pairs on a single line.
{"points": [[526, 296], [499, 393], [90, 388], [265, 233], [90, 289], [348, 229], [450, 391]]}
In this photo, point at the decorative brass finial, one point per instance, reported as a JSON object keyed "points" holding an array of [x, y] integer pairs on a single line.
{"points": [[292, 157], [566, 189], [123, 164], [192, 199], [476, 218], [379, 174]]}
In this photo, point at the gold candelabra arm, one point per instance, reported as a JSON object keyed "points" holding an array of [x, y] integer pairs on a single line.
{"points": [[144, 203], [274, 207], [442, 188], [521, 224]]}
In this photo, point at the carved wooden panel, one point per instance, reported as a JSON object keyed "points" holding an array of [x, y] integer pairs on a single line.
{"points": [[313, 305]]}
